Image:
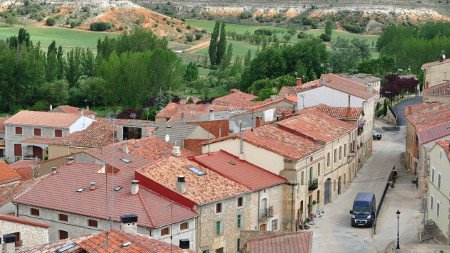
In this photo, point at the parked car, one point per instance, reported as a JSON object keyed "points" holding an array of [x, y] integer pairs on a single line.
{"points": [[376, 135], [364, 210]]}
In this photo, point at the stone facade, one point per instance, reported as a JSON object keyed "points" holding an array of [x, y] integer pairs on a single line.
{"points": [[412, 147], [436, 73], [29, 235]]}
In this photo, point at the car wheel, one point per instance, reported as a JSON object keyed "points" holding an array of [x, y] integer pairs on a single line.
{"points": [[379, 138]]}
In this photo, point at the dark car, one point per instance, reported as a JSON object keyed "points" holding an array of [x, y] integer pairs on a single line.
{"points": [[364, 210], [376, 135]]}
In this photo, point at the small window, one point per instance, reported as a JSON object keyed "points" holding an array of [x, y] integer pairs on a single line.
{"points": [[219, 208], [93, 223], [340, 152], [219, 227], [37, 132], [34, 211], [63, 235], [328, 159], [318, 169], [239, 221], [275, 225], [335, 155], [63, 217], [165, 231], [184, 226], [438, 206], [432, 175], [345, 150], [18, 130], [238, 243], [439, 180], [302, 179], [240, 202], [431, 202], [58, 133]]}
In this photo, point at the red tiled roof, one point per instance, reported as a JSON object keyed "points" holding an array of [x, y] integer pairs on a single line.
{"points": [[299, 242], [232, 105], [241, 171], [441, 89], [435, 63], [115, 157], [200, 189], [2, 126], [97, 135], [281, 142], [139, 243], [434, 132], [48, 119], [346, 85], [288, 91], [271, 102], [72, 109], [7, 174], [15, 219], [152, 209], [427, 115], [176, 112], [9, 192], [195, 100], [236, 95], [168, 111], [24, 168], [446, 146], [316, 125], [345, 113], [39, 140]]}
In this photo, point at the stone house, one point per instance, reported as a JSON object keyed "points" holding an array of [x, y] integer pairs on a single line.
{"points": [[372, 82], [436, 72], [225, 206], [28, 233], [437, 93], [337, 91], [438, 208], [28, 133], [2, 137], [87, 198]]}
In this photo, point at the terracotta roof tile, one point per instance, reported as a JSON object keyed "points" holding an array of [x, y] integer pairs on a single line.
{"points": [[435, 63], [20, 220], [39, 140], [2, 126], [236, 95], [200, 189], [346, 85], [97, 135], [117, 157], [281, 142], [49, 119], [73, 110], [63, 186], [446, 146], [434, 132], [427, 115], [241, 171], [7, 174], [299, 242], [9, 192], [317, 125], [345, 113], [195, 100], [168, 111], [441, 89], [290, 91]]}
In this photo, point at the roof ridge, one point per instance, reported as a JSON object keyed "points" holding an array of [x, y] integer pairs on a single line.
{"points": [[147, 211]]}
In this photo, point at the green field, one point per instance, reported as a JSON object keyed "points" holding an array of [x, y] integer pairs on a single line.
{"points": [[68, 38]]}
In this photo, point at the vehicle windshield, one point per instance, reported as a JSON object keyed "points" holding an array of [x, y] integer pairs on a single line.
{"points": [[362, 210]]}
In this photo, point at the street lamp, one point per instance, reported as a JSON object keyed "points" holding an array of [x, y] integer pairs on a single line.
{"points": [[398, 229]]}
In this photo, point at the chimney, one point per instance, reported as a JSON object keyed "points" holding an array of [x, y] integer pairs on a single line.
{"points": [[54, 170], [241, 143], [92, 186], [128, 223], [349, 105], [220, 131], [176, 151], [299, 82], [181, 184], [182, 117], [134, 187], [125, 149], [70, 160], [9, 245]]}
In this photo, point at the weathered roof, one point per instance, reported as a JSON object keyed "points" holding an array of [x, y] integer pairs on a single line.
{"points": [[7, 174], [434, 132], [435, 63], [288, 91], [9, 192], [179, 132], [201, 189], [317, 125], [24, 168], [47, 119], [427, 115], [346, 85], [2, 126], [441, 89], [20, 220], [299, 242], [236, 95], [38, 140], [241, 171], [117, 157], [363, 78], [152, 209], [446, 146], [72, 109], [98, 134], [344, 113]]}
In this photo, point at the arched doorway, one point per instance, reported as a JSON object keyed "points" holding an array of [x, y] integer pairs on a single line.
{"points": [[327, 191]]}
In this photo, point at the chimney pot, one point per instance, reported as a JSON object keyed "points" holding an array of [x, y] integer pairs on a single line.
{"points": [[70, 160], [134, 187], [128, 223], [126, 150], [92, 186], [299, 82], [9, 245], [176, 151], [181, 184], [54, 170]]}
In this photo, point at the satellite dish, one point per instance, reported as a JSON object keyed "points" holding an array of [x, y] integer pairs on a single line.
{"points": [[167, 138]]}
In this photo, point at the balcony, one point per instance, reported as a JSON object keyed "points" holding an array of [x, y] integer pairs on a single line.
{"points": [[266, 213], [313, 184]]}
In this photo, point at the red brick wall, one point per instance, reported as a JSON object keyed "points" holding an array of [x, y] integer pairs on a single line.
{"points": [[194, 145], [214, 126]]}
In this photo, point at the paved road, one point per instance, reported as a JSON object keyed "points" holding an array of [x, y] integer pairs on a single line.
{"points": [[400, 108], [333, 232]]}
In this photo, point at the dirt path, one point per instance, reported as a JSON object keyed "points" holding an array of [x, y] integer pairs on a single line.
{"points": [[198, 46]]}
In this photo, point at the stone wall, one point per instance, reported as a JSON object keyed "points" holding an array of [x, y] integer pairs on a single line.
{"points": [[29, 235]]}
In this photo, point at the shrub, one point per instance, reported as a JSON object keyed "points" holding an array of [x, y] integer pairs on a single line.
{"points": [[198, 35], [325, 37], [301, 35], [204, 31], [99, 26], [73, 24], [189, 37], [245, 15], [188, 27], [264, 31], [85, 9], [50, 21], [179, 29]]}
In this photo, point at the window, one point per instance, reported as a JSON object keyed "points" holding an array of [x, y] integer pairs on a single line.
{"points": [[165, 231], [340, 152], [318, 169], [93, 223], [18, 130], [63, 235], [34, 211], [238, 243], [431, 202], [318, 196], [17, 149], [432, 175], [240, 202], [37, 132], [328, 159], [275, 225], [219, 208], [239, 221], [63, 217], [58, 133], [184, 226], [438, 205], [219, 227], [439, 180], [345, 149], [335, 155], [18, 242], [302, 179]]}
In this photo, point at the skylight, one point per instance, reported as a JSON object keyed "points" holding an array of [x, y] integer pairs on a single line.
{"points": [[66, 248], [80, 190], [118, 188], [125, 160], [197, 171]]}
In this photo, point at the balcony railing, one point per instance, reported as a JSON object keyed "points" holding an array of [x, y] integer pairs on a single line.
{"points": [[266, 213], [313, 184]]}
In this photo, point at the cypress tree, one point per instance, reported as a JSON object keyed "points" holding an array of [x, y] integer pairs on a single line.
{"points": [[212, 50], [222, 44]]}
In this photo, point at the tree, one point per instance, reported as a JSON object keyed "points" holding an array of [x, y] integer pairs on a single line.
{"points": [[24, 38], [50, 21], [221, 44], [248, 58], [213, 44], [191, 72], [226, 61], [87, 62], [61, 63], [328, 27], [73, 68], [11, 20], [94, 89], [51, 68], [346, 54]]}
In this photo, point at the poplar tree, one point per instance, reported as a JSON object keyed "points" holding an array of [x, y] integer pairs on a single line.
{"points": [[213, 44], [221, 45]]}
